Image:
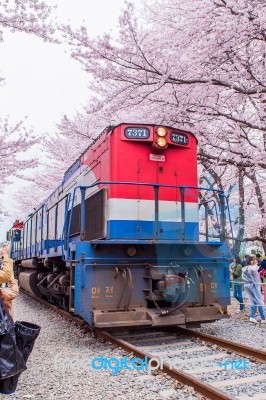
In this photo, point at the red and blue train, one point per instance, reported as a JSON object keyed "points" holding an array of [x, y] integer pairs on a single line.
{"points": [[128, 238]]}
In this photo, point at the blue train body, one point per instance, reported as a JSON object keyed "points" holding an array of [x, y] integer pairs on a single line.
{"points": [[127, 238]]}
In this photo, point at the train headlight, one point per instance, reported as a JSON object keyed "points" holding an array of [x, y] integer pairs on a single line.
{"points": [[131, 251], [161, 142], [161, 131], [188, 251]]}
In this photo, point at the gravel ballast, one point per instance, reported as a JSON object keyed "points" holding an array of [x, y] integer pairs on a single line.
{"points": [[60, 365], [237, 328]]}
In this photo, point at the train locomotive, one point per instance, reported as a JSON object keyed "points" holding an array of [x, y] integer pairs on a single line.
{"points": [[127, 239]]}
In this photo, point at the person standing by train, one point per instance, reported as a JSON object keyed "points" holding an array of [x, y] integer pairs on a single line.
{"points": [[9, 294], [252, 284], [6, 273], [262, 264], [258, 259], [262, 272], [238, 282], [7, 276]]}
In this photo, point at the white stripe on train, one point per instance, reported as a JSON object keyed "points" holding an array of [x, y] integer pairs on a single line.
{"points": [[144, 210]]}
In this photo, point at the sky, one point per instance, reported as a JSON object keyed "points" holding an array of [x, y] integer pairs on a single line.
{"points": [[41, 81], [36, 72]]}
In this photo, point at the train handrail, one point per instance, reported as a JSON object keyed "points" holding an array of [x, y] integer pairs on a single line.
{"points": [[68, 198], [156, 186], [231, 225], [206, 215]]}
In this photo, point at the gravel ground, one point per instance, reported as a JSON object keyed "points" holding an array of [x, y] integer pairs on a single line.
{"points": [[60, 365], [238, 328]]}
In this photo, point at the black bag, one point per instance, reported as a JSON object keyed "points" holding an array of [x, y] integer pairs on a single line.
{"points": [[26, 334], [11, 358]]}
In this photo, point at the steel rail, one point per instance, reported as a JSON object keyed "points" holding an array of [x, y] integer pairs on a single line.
{"points": [[201, 387], [240, 349]]}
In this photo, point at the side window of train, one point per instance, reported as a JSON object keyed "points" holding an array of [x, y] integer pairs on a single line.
{"points": [[17, 235]]}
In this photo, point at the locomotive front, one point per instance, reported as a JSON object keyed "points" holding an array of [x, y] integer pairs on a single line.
{"points": [[128, 237]]}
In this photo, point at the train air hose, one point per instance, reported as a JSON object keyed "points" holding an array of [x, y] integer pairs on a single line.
{"points": [[126, 272], [164, 313]]}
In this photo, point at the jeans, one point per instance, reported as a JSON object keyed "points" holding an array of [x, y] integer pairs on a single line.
{"points": [[255, 300], [238, 295]]}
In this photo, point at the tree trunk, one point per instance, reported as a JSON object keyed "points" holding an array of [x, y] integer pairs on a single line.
{"points": [[241, 213], [263, 236]]}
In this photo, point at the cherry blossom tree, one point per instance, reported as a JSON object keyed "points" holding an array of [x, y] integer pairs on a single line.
{"points": [[200, 66], [29, 16], [14, 141], [60, 150]]}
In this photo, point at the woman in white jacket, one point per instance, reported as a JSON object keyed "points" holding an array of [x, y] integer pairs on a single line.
{"points": [[252, 284]]}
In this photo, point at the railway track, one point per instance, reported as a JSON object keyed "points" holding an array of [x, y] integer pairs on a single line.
{"points": [[215, 368], [206, 363]]}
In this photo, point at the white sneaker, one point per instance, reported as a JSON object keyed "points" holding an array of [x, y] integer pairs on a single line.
{"points": [[263, 321], [253, 320]]}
